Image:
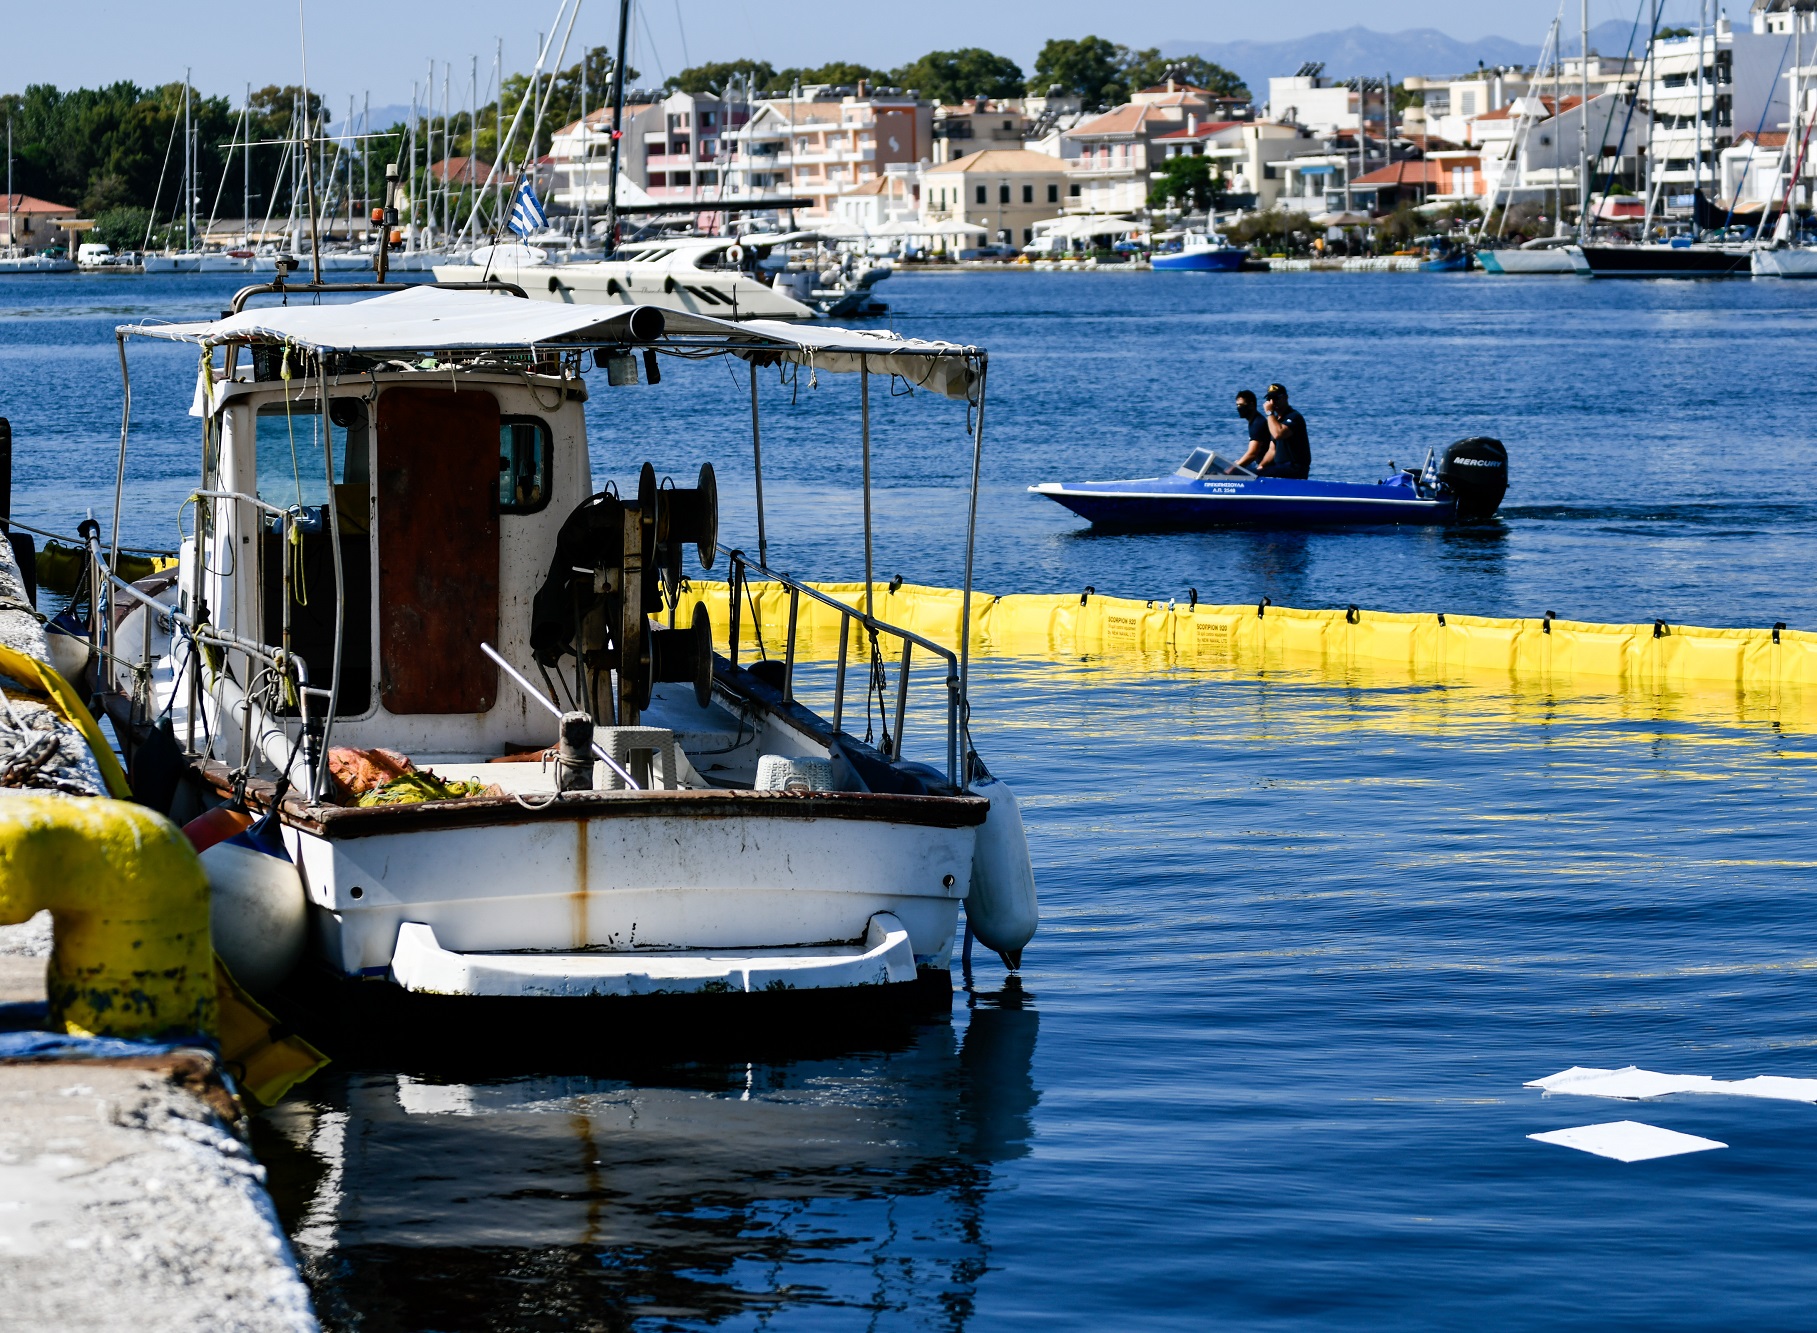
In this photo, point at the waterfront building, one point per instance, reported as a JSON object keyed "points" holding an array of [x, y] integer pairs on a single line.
{"points": [[889, 202], [979, 124], [1703, 89], [823, 141], [34, 225], [1005, 190], [1113, 159], [581, 151]]}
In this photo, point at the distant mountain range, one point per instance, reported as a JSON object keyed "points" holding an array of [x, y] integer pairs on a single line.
{"points": [[1355, 51]]}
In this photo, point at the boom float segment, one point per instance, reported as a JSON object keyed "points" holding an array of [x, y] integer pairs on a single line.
{"points": [[132, 955], [1422, 644]]}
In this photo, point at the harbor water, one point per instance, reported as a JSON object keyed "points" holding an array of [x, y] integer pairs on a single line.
{"points": [[1304, 936]]}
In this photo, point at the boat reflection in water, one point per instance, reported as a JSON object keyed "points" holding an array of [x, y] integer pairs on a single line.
{"points": [[701, 1193]]}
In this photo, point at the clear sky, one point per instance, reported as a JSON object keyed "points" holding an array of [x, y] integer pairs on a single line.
{"points": [[356, 46]]}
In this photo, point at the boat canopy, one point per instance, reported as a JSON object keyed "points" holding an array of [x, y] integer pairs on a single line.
{"points": [[429, 319]]}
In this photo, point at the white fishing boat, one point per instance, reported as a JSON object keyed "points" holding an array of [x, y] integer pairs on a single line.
{"points": [[613, 809], [726, 277]]}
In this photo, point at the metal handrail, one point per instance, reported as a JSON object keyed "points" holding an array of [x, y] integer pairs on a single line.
{"points": [[742, 565]]}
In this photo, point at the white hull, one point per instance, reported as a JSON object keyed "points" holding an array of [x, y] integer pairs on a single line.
{"points": [[36, 264], [599, 899], [1788, 262], [724, 295], [179, 263], [1534, 261]]}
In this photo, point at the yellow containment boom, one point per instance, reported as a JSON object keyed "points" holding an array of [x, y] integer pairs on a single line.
{"points": [[129, 902], [1424, 645]]}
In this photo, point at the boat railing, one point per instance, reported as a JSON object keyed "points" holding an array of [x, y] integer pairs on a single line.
{"points": [[742, 568], [203, 634]]}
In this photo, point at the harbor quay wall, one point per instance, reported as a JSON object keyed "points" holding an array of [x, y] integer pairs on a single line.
{"points": [[129, 1201]]}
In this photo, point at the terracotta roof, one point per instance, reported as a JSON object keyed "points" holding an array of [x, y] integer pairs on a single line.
{"points": [[1003, 161], [1765, 138], [1507, 112], [1176, 99], [465, 170], [1430, 175], [1204, 131], [25, 203], [880, 186], [1126, 119]]}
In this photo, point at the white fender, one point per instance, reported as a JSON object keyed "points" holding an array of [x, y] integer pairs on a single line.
{"points": [[257, 913], [735, 254], [1001, 906]]}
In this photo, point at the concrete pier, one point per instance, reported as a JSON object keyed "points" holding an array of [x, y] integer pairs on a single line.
{"points": [[127, 1199]]}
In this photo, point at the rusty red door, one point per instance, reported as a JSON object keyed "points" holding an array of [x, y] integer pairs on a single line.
{"points": [[438, 549]]}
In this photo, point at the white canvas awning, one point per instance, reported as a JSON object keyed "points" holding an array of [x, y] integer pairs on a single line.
{"points": [[1085, 227], [430, 319]]}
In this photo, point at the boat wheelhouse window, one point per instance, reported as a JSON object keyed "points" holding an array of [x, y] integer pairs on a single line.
{"points": [[1196, 461], [523, 465], [288, 451]]}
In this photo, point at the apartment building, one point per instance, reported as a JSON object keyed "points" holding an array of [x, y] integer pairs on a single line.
{"points": [[580, 153], [1004, 190], [980, 124], [826, 141]]}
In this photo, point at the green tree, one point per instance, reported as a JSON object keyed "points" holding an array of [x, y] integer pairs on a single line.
{"points": [[839, 73], [1288, 233], [122, 228], [954, 76], [715, 76], [1186, 181], [1145, 69], [1090, 68]]}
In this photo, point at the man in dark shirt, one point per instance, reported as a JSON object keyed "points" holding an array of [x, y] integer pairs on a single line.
{"points": [[1290, 454], [1260, 438]]}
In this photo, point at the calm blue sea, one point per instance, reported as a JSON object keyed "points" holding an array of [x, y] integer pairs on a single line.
{"points": [[1304, 938]]}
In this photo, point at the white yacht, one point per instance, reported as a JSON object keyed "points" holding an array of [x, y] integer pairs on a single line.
{"points": [[444, 663], [773, 276], [1784, 261], [17, 259]]}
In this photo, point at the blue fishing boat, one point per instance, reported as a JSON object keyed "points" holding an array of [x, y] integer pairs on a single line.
{"points": [[1201, 253], [1466, 484]]}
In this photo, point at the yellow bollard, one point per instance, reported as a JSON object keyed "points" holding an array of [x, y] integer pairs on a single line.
{"points": [[129, 898]]}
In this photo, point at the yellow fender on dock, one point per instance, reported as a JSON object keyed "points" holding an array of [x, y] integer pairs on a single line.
{"points": [[129, 900]]}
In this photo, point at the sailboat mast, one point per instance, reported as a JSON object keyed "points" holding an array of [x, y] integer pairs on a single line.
{"points": [[618, 125], [1558, 71], [365, 161], [246, 177], [1697, 146], [11, 239], [586, 165], [1646, 226], [1583, 123], [189, 167], [498, 127]]}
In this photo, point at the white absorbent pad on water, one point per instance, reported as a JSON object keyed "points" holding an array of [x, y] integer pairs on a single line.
{"points": [[1637, 1084], [1627, 1140]]}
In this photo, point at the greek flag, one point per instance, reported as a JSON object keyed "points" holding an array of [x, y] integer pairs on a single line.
{"points": [[527, 214], [1428, 478]]}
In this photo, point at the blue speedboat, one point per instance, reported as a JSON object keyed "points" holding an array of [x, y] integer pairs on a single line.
{"points": [[1467, 483], [1200, 253]]}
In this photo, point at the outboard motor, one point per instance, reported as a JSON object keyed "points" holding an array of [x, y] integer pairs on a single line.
{"points": [[1476, 472]]}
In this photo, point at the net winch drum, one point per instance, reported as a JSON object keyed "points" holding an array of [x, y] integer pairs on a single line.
{"points": [[685, 515], [1475, 471], [680, 655]]}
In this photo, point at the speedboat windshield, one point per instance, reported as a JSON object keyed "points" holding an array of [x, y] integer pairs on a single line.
{"points": [[1206, 462]]}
